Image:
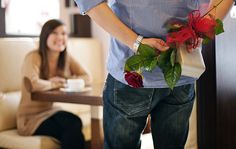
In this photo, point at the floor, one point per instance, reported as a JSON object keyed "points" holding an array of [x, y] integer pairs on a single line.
{"points": [[147, 141]]}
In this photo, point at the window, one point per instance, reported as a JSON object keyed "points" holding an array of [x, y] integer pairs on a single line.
{"points": [[26, 17]]}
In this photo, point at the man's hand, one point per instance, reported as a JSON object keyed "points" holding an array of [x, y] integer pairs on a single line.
{"points": [[189, 47]]}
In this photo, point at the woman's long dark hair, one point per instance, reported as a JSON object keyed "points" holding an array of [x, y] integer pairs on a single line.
{"points": [[47, 29]]}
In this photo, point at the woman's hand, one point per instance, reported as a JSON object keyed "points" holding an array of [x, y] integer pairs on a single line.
{"points": [[156, 43], [58, 81]]}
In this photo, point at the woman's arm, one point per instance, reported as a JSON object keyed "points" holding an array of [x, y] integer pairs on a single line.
{"points": [[222, 9], [31, 71], [105, 17]]}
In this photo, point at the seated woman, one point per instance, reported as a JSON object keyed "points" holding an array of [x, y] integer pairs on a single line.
{"points": [[47, 68]]}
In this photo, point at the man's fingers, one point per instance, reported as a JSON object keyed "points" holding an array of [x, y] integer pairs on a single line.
{"points": [[189, 48], [161, 45], [156, 43]]}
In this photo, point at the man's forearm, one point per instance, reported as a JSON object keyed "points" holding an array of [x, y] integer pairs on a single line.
{"points": [[104, 17], [222, 9]]}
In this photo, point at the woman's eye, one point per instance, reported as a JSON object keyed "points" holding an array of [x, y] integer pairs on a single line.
{"points": [[55, 33], [59, 33], [64, 33]]}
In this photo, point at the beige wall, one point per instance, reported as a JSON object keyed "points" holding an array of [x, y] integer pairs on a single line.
{"points": [[97, 32]]}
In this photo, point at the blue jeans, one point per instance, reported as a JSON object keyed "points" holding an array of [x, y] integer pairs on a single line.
{"points": [[126, 110]]}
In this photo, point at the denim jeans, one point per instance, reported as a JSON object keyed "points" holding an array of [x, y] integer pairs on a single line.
{"points": [[126, 110]]}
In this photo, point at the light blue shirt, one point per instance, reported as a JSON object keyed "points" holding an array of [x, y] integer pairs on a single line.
{"points": [[146, 18]]}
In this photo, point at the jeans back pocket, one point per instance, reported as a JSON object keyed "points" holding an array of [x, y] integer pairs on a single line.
{"points": [[183, 94], [132, 101]]}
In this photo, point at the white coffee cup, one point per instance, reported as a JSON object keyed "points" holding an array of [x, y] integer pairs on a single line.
{"points": [[75, 84]]}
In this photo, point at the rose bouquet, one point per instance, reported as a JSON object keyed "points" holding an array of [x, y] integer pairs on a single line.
{"points": [[180, 32]]}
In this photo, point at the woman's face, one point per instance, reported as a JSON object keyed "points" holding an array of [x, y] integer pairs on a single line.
{"points": [[57, 40]]}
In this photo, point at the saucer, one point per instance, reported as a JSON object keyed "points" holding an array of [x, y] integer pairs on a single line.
{"points": [[76, 90]]}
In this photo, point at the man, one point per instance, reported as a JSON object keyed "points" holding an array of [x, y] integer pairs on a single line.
{"points": [[131, 22]]}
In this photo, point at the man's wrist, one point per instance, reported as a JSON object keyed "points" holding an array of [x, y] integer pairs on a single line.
{"points": [[137, 43]]}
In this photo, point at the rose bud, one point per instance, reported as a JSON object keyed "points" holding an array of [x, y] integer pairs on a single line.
{"points": [[134, 79]]}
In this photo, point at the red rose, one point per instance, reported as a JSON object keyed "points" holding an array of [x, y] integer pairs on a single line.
{"points": [[206, 26], [197, 27], [202, 25], [180, 37], [134, 79]]}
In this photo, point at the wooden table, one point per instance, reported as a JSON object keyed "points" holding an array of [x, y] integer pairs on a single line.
{"points": [[92, 98]]}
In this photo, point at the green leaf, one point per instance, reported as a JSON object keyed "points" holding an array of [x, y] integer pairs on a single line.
{"points": [[164, 58], [133, 63], [219, 27], [150, 64], [172, 57], [146, 51], [206, 40], [172, 75], [173, 25], [127, 68]]}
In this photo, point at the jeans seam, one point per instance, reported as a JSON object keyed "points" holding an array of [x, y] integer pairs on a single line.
{"points": [[151, 98]]}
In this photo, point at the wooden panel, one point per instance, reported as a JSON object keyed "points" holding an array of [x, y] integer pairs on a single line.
{"points": [[216, 91], [81, 26], [206, 103], [2, 21], [67, 3], [226, 86]]}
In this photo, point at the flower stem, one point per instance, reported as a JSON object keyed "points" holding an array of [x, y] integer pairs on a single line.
{"points": [[212, 8]]}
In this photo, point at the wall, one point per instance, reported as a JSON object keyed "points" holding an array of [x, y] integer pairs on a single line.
{"points": [[97, 32]]}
